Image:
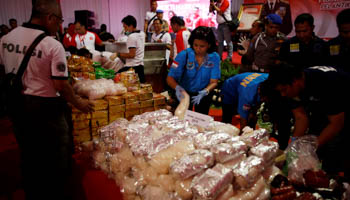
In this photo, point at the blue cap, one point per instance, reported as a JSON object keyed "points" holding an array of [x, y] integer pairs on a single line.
{"points": [[159, 11], [274, 18]]}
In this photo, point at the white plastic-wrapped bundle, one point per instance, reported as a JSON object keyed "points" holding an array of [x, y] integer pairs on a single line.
{"points": [[209, 139], [155, 193], [166, 182], [232, 164], [256, 137], [220, 127], [114, 130], [270, 173], [97, 89], [122, 161], [183, 188], [153, 117], [162, 160], [183, 106], [248, 171], [267, 151], [191, 164], [259, 191], [226, 194], [128, 185], [212, 182], [224, 152]]}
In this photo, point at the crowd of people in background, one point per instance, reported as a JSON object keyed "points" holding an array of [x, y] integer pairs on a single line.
{"points": [[303, 80]]}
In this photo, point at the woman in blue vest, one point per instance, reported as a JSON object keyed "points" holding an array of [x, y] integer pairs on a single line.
{"points": [[196, 69]]}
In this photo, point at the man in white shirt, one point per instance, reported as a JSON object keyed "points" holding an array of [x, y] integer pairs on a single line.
{"points": [[223, 10], [40, 126], [136, 46], [161, 36], [84, 38], [150, 16]]}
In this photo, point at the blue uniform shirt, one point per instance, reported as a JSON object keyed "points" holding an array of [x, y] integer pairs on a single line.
{"points": [[194, 77], [242, 89]]}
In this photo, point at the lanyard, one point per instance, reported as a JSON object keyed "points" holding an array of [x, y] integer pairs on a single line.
{"points": [[81, 39]]}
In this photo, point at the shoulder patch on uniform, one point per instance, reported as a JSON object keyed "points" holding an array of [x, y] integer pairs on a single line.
{"points": [[61, 67], [175, 64]]}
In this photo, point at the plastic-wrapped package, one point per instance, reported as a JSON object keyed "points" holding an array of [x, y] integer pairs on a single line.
{"points": [[232, 164], [220, 127], [191, 164], [209, 139], [166, 182], [270, 173], [122, 161], [226, 194], [228, 151], [254, 138], [153, 117], [97, 89], [183, 188], [259, 191], [247, 130], [128, 186], [267, 151], [155, 193], [212, 182], [162, 160], [248, 171], [301, 156], [181, 109]]}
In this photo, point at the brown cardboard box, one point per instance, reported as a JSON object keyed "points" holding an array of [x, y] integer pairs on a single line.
{"points": [[158, 100], [130, 113], [114, 116], [130, 97], [115, 100], [99, 114], [134, 105], [94, 131], [99, 122], [100, 104], [147, 109], [116, 109], [78, 116], [81, 135], [144, 95], [146, 103], [146, 87], [158, 107], [82, 124]]}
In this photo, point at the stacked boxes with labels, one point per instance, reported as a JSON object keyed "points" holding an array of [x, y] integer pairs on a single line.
{"points": [[111, 108], [116, 107], [99, 117], [81, 126]]}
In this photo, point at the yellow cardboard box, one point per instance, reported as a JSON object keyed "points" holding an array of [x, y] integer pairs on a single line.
{"points": [[99, 114], [130, 97], [116, 109], [130, 113], [147, 109], [115, 100], [134, 105], [78, 116], [114, 116], [82, 124], [100, 104], [99, 122], [83, 135], [158, 107], [146, 103]]}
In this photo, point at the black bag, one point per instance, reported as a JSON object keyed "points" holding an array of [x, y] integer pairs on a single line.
{"points": [[233, 24], [12, 85]]}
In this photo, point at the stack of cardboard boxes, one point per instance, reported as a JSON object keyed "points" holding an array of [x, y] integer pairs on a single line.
{"points": [[107, 110]]}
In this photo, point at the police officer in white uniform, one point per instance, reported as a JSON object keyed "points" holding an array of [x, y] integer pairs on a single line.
{"points": [[41, 128]]}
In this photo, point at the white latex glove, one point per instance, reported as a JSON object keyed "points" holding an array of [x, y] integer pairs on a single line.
{"points": [[244, 42]]}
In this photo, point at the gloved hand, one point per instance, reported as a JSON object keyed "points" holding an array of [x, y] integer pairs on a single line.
{"points": [[244, 42], [179, 94], [197, 99]]}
